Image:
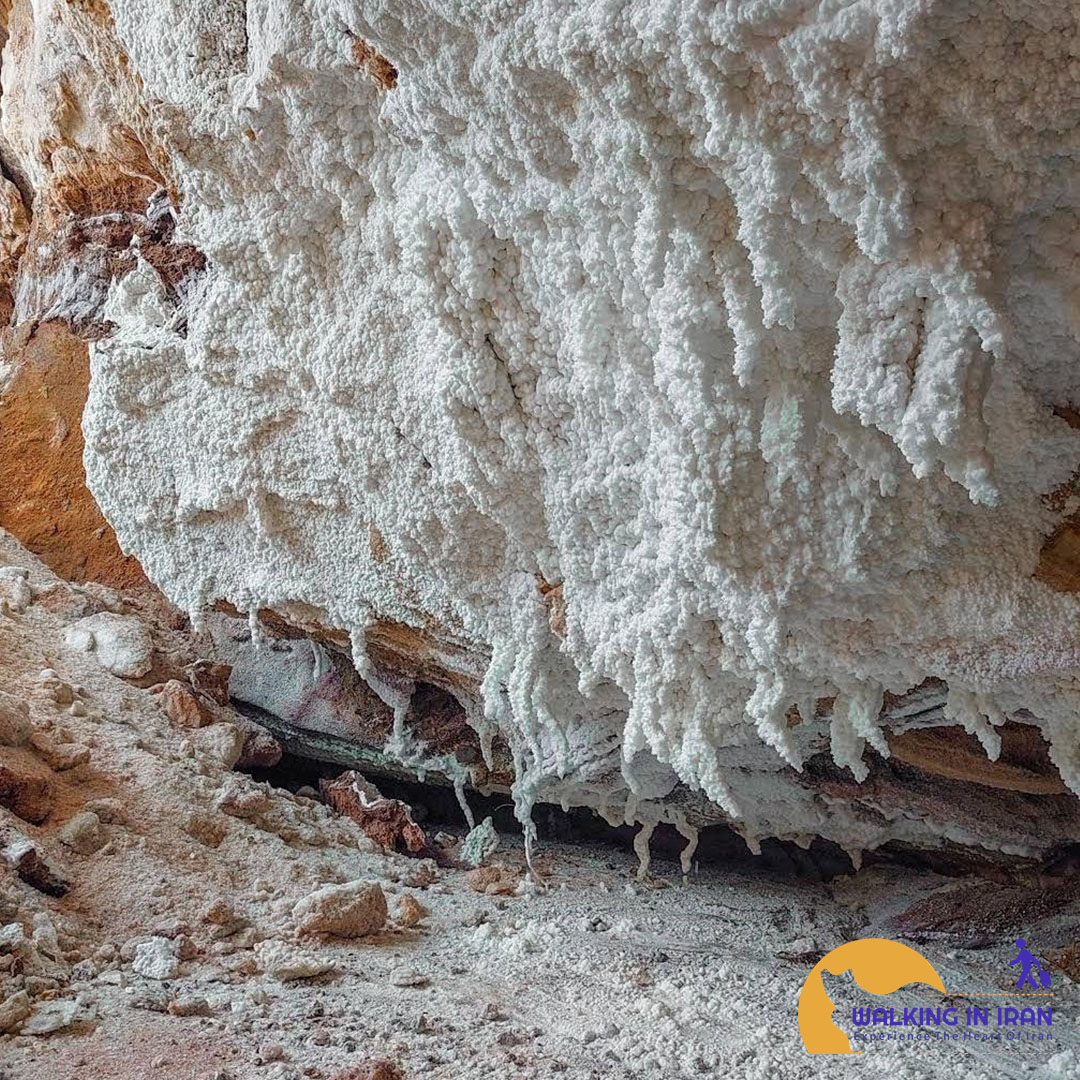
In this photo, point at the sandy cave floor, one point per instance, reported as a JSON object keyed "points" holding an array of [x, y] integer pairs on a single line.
{"points": [[592, 975]]}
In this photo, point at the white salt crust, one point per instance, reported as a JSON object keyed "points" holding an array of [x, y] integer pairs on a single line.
{"points": [[743, 322]]}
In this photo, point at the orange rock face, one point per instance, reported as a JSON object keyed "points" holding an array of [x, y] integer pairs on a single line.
{"points": [[65, 235], [44, 500], [1059, 560]]}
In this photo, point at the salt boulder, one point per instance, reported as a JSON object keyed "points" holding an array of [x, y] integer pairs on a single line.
{"points": [[14, 1010], [183, 707], [83, 833], [286, 962], [25, 789], [351, 910], [482, 842], [156, 959], [50, 1016], [15, 589], [220, 744], [120, 643]]}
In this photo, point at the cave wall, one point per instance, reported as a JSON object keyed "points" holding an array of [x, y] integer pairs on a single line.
{"points": [[654, 373]]}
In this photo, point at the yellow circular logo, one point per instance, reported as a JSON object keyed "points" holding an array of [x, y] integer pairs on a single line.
{"points": [[878, 965]]}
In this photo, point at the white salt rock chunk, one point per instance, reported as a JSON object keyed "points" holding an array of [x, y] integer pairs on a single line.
{"points": [[121, 643], [45, 938], [480, 844], [406, 976], [14, 720], [15, 588], [51, 1016], [350, 910], [286, 962], [156, 959]]}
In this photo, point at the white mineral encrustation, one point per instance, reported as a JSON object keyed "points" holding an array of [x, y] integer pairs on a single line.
{"points": [[686, 389]]}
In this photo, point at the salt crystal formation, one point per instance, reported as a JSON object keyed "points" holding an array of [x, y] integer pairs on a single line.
{"points": [[684, 365]]}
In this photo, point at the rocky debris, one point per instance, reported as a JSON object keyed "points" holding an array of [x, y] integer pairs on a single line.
{"points": [[183, 707], [61, 692], [407, 976], [83, 833], [354, 909], [388, 822], [224, 920], [481, 843], [235, 740], [190, 1005], [120, 643], [422, 875], [60, 754], [38, 956], [242, 801], [285, 962], [51, 1016], [493, 880], [271, 1052], [261, 750], [156, 959], [409, 911], [220, 913], [30, 865], [219, 744], [14, 720], [109, 811], [207, 830], [149, 997], [210, 678], [14, 1010], [25, 790], [16, 594], [371, 1070]]}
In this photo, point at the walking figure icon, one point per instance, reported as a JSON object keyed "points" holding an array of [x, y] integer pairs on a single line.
{"points": [[1026, 975]]}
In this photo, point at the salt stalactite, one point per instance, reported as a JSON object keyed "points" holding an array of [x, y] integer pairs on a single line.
{"points": [[691, 834], [978, 715], [847, 745], [641, 848], [401, 745]]}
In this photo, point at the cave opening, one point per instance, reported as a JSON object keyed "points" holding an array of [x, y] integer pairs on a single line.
{"points": [[435, 808]]}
